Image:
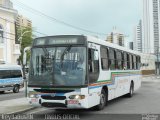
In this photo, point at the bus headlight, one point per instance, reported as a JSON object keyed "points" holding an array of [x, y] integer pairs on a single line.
{"points": [[77, 97], [33, 96]]}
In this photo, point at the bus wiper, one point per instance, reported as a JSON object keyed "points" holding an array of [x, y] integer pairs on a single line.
{"points": [[63, 54]]}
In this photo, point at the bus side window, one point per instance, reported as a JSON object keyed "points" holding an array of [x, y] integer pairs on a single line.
{"points": [[118, 60], [138, 61], [104, 58], [93, 65], [134, 62], [125, 61], [128, 61], [112, 61]]}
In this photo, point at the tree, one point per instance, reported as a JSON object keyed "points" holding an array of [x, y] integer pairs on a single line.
{"points": [[25, 37]]}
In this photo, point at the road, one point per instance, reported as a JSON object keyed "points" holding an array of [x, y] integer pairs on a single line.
{"points": [[8, 95], [144, 101]]}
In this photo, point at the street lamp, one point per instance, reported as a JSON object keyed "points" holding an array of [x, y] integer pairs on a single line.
{"points": [[22, 36], [24, 61]]}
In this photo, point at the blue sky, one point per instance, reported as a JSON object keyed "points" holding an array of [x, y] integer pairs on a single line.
{"points": [[94, 15]]}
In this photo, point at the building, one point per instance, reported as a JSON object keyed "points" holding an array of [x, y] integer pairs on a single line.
{"points": [[23, 21], [137, 45], [116, 37], [9, 50], [151, 25], [131, 45], [148, 63]]}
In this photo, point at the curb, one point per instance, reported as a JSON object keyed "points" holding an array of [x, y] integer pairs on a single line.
{"points": [[149, 75], [23, 110]]}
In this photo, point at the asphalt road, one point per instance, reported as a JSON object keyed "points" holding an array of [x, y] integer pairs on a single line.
{"points": [[144, 101], [8, 95]]}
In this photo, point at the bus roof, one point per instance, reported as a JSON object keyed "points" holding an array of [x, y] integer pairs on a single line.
{"points": [[112, 45], [99, 41]]}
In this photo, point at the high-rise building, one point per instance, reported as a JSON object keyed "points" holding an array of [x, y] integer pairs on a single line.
{"points": [[151, 25], [9, 50], [116, 37], [131, 45], [22, 21], [137, 45]]}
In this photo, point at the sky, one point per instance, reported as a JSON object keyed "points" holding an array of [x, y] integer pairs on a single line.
{"points": [[99, 16]]}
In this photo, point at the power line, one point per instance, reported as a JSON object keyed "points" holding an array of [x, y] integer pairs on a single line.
{"points": [[21, 25], [20, 4]]}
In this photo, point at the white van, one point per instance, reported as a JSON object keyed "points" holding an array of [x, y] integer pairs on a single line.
{"points": [[11, 78]]}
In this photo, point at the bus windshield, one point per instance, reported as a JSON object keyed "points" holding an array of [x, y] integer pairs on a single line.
{"points": [[58, 66]]}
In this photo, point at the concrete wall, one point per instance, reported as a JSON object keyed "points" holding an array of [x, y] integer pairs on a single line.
{"points": [[148, 60]]}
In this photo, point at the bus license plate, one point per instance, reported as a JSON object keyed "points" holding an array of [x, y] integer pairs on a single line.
{"points": [[73, 102]]}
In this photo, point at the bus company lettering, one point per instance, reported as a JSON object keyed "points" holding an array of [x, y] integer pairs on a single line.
{"points": [[123, 81]]}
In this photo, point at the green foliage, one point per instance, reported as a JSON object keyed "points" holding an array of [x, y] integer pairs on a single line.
{"points": [[24, 35]]}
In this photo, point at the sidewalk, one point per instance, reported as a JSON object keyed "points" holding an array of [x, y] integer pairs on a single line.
{"points": [[151, 78], [14, 106]]}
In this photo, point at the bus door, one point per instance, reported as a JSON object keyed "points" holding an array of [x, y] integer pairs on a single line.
{"points": [[93, 72]]}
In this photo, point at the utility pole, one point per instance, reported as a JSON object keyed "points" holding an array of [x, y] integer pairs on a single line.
{"points": [[157, 61], [24, 64]]}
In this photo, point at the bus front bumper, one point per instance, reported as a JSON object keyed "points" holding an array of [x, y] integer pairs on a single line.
{"points": [[70, 104]]}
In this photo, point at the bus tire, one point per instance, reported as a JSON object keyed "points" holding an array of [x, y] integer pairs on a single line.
{"points": [[131, 90], [103, 101], [1, 92], [16, 88]]}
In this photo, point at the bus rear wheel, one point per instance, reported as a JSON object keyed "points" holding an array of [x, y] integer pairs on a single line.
{"points": [[103, 101], [16, 89], [130, 94]]}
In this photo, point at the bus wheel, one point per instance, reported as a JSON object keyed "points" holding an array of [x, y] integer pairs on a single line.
{"points": [[130, 94], [16, 89], [103, 100], [1, 92]]}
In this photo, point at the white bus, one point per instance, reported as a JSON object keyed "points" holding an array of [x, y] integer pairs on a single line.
{"points": [[76, 71], [10, 78]]}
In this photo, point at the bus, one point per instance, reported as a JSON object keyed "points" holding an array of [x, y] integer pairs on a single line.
{"points": [[11, 78], [56, 79]]}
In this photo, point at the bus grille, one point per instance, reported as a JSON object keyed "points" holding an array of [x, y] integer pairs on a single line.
{"points": [[46, 104], [49, 97]]}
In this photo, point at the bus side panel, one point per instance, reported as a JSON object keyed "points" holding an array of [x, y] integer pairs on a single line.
{"points": [[106, 79], [122, 85], [111, 92], [94, 96], [137, 81]]}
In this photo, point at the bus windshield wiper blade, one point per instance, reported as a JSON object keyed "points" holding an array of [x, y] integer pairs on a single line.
{"points": [[64, 52]]}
